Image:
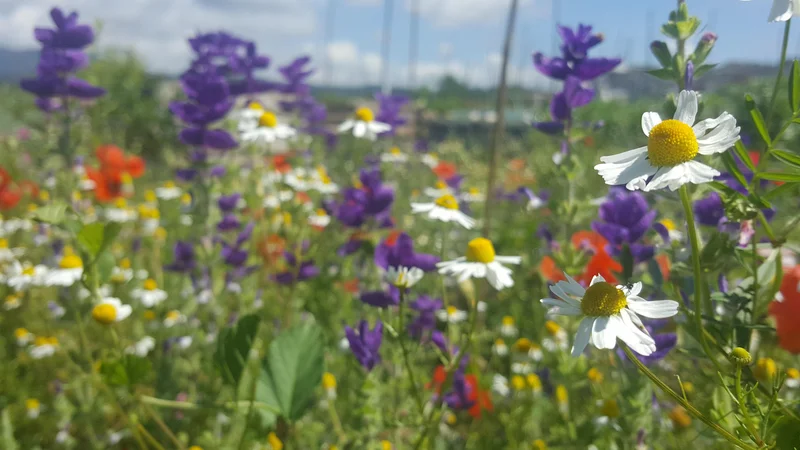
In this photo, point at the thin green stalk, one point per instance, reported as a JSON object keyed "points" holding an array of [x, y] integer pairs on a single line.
{"points": [[688, 406], [740, 397], [781, 66], [406, 360], [698, 271], [157, 419], [753, 307]]}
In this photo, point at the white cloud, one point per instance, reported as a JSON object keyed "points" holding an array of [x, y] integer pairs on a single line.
{"points": [[460, 12], [364, 2]]}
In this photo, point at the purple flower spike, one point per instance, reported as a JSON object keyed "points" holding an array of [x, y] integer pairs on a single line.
{"points": [[365, 343]]}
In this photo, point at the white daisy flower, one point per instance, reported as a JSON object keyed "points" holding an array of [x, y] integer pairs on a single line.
{"points": [[481, 306], [11, 302], [430, 159], [33, 408], [273, 201], [43, 347], [120, 213], [122, 273], [149, 295], [403, 277], [523, 368], [363, 125], [440, 189], [444, 209], [266, 128], [173, 318], [783, 10], [56, 310], [500, 348], [394, 156], [169, 191], [11, 226], [323, 183], [558, 339], [184, 342], [792, 378], [535, 353], [671, 148], [20, 277], [481, 262], [451, 314], [299, 179], [142, 347], [111, 310], [507, 327], [9, 254], [473, 195], [69, 272], [320, 219], [23, 337], [500, 385], [609, 312]]}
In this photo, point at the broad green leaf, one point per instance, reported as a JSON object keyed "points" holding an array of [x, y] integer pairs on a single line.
{"points": [[292, 371], [787, 433], [703, 69], [7, 440], [96, 237], [758, 119], [113, 373], [744, 156], [777, 191], [664, 74], [233, 347], [733, 169], [780, 176], [55, 213], [794, 86], [787, 158]]}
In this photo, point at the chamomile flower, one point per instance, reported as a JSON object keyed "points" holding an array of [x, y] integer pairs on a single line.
{"points": [[403, 277], [438, 190], [9, 254], [149, 294], [608, 312], [142, 347], [274, 201], [33, 408], [534, 382], [320, 219], [173, 318], [558, 339], [322, 183], [444, 209], [364, 125], [451, 314], [481, 262], [265, 128], [329, 385], [120, 212], [500, 385], [299, 179], [562, 399], [122, 272], [43, 347], [11, 226], [394, 156], [110, 310], [430, 159], [20, 277], [668, 159], [473, 195], [507, 327], [792, 378], [535, 352], [69, 271], [500, 348], [522, 367], [169, 191], [783, 10], [23, 337], [11, 302]]}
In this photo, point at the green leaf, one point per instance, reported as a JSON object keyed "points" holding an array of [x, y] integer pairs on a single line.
{"points": [[136, 368], [779, 190], [664, 74], [626, 259], [55, 213], [113, 373], [96, 237], [7, 436], [785, 157], [744, 156], [292, 371], [758, 119], [794, 86], [787, 433], [655, 273], [703, 69], [779, 176], [724, 189], [733, 168], [105, 263], [233, 347]]}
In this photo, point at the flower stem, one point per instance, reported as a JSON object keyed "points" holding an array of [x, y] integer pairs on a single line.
{"points": [[778, 79], [688, 406], [740, 397], [406, 360]]}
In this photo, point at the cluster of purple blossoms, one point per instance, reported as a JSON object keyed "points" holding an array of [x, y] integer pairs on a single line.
{"points": [[665, 342], [233, 253], [371, 200], [365, 343], [625, 217], [297, 270], [311, 112], [184, 259], [389, 111], [425, 321], [61, 57]]}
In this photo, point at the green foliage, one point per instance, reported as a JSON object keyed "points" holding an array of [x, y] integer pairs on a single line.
{"points": [[233, 348], [126, 371]]}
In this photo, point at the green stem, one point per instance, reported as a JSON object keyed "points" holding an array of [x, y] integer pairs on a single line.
{"points": [[157, 419], [748, 421], [778, 79], [698, 271], [406, 360], [688, 406], [753, 314]]}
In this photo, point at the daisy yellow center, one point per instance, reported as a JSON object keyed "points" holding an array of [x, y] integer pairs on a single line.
{"points": [[499, 343], [452, 310], [268, 120], [169, 184], [610, 409], [671, 142], [594, 375], [32, 404], [603, 299], [451, 419], [328, 381], [474, 191], [480, 250], [127, 178], [20, 333], [150, 284], [508, 321], [29, 271], [534, 381], [447, 201], [561, 394], [150, 196], [517, 382], [121, 203], [552, 327], [255, 106], [125, 264], [365, 114], [173, 315], [793, 373], [71, 262], [395, 151], [149, 315], [186, 199], [523, 344], [3, 243], [669, 224], [441, 185], [105, 313]]}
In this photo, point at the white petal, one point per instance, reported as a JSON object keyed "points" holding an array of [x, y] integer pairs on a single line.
{"points": [[603, 334], [574, 287], [360, 129], [720, 138], [655, 309], [630, 173], [123, 311], [649, 120], [379, 127], [635, 338], [686, 110], [422, 207], [508, 259], [346, 125], [629, 155], [701, 127], [597, 279], [582, 336], [782, 10], [636, 288], [560, 307]]}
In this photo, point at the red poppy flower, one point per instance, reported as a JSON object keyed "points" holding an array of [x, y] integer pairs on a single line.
{"points": [[5, 179], [109, 176], [480, 399], [280, 164], [439, 377], [351, 286], [9, 197], [601, 263], [787, 311], [445, 170]]}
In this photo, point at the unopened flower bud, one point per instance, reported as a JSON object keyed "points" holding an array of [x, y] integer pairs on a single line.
{"points": [[741, 357], [704, 47]]}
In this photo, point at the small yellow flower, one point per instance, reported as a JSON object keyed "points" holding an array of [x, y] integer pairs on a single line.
{"points": [[32, 403], [688, 387], [160, 233], [186, 199], [195, 447], [534, 382], [125, 263], [523, 345], [450, 418], [149, 315], [518, 382], [741, 357], [328, 381], [595, 376], [386, 445], [104, 313], [150, 196], [274, 441], [765, 370], [44, 196], [539, 445], [679, 417], [562, 398]]}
